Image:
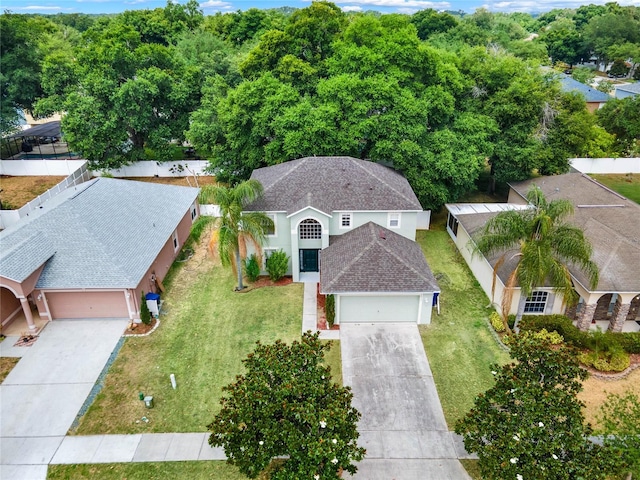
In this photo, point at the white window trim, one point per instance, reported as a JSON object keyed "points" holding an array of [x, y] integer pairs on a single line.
{"points": [[537, 302], [348, 215], [273, 217], [174, 238], [389, 216]]}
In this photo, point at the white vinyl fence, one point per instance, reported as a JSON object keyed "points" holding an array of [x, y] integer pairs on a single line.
{"points": [[80, 175], [37, 168], [182, 168], [606, 165]]}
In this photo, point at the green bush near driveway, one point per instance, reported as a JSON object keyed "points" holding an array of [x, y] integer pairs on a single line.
{"points": [[202, 339], [459, 344]]}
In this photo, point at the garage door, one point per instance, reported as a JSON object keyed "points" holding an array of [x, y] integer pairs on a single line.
{"points": [[87, 304], [355, 309]]}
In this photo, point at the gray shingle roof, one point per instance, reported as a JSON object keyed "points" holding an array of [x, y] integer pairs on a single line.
{"points": [[333, 184], [20, 260], [630, 87], [371, 258], [568, 84], [609, 221], [106, 236]]}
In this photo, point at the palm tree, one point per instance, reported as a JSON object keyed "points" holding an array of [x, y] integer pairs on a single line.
{"points": [[236, 227], [546, 245]]}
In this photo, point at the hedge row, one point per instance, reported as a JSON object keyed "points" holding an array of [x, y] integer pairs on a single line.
{"points": [[629, 342]]}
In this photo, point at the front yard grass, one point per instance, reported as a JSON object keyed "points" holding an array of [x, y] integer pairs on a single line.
{"points": [[458, 343], [204, 336], [6, 365], [146, 471]]}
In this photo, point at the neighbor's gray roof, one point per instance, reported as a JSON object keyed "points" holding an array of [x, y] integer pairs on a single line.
{"points": [[106, 236], [333, 184], [609, 221], [371, 258], [568, 84], [629, 87]]}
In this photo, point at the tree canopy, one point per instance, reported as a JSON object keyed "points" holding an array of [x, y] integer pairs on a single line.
{"points": [[438, 95]]}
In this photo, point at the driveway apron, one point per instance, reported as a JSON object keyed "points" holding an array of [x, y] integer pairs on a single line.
{"points": [[402, 425], [42, 395]]}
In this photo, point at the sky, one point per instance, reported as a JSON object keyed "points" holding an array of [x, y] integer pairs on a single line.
{"points": [[210, 7]]}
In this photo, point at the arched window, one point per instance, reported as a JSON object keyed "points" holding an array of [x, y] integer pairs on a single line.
{"points": [[310, 229]]}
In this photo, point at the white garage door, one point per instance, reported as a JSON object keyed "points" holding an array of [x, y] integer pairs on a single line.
{"points": [[369, 309], [87, 304]]}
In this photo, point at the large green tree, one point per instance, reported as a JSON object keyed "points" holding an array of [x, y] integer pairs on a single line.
{"points": [[544, 243], [530, 423], [236, 227], [287, 413], [621, 117], [620, 420]]}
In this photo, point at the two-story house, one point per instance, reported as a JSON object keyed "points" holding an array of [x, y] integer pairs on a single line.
{"points": [[315, 201]]}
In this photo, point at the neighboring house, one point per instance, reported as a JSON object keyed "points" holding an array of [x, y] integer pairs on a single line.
{"points": [[93, 250], [595, 99], [628, 90], [610, 223], [314, 200]]}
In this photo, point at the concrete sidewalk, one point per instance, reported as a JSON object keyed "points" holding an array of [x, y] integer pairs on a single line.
{"points": [[402, 426], [310, 313]]}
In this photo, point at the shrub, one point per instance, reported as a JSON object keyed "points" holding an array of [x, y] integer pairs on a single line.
{"points": [[277, 265], [554, 338], [251, 267], [145, 314], [511, 321], [615, 361], [557, 323], [630, 342], [330, 309], [496, 322]]}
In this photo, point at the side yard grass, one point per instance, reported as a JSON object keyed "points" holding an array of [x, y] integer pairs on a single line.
{"points": [[459, 344], [627, 185], [204, 336]]}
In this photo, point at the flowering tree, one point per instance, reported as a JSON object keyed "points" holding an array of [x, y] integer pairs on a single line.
{"points": [[285, 407], [530, 424]]}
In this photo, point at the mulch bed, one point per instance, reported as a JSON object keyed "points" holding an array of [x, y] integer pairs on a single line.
{"points": [[140, 328], [322, 315], [265, 281]]}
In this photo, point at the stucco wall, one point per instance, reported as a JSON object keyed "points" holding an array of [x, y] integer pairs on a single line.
{"points": [[9, 305]]}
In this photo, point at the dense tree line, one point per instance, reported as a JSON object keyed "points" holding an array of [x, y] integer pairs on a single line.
{"points": [[438, 95]]}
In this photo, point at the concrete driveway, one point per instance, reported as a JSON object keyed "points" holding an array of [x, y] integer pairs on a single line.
{"points": [[42, 395], [402, 426]]}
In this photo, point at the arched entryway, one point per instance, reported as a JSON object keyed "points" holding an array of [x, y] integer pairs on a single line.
{"points": [[16, 312]]}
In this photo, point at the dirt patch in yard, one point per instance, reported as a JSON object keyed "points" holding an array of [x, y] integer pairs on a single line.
{"points": [[596, 390], [18, 191], [182, 181]]}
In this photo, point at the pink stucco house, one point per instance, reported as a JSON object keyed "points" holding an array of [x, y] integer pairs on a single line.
{"points": [[93, 252]]}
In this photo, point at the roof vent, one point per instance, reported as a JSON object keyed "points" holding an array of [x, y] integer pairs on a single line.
{"points": [[382, 236]]}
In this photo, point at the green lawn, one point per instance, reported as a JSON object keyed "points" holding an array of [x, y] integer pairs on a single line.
{"points": [[215, 470], [459, 344], [206, 333], [627, 185]]}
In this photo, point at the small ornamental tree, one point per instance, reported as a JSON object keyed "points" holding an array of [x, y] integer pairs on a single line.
{"points": [[286, 408], [145, 314], [530, 424]]}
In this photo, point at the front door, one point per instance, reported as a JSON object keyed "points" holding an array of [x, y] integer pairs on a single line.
{"points": [[309, 260]]}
